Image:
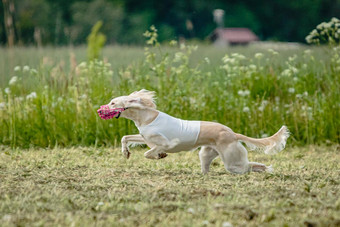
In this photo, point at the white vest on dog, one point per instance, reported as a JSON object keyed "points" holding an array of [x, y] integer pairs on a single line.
{"points": [[179, 135]]}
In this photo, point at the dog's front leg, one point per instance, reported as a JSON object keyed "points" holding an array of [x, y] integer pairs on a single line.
{"points": [[129, 139], [155, 153]]}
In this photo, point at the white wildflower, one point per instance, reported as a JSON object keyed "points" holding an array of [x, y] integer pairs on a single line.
{"points": [[178, 57], [327, 25], [291, 90], [243, 93], [307, 52], [232, 61], [13, 80], [173, 43], [305, 93], [7, 217], [264, 102], [286, 72], [26, 68], [60, 99], [34, 71], [252, 67], [19, 99], [246, 109], [2, 105], [241, 57], [227, 224], [7, 90], [273, 52], [277, 99], [100, 204], [294, 70], [261, 108], [246, 92], [225, 59], [207, 60], [182, 46], [191, 210], [320, 26], [84, 96], [122, 220], [17, 68], [292, 58], [263, 105], [258, 55], [205, 222], [82, 65], [31, 96]]}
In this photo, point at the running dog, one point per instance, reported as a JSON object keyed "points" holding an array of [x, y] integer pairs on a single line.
{"points": [[166, 134]]}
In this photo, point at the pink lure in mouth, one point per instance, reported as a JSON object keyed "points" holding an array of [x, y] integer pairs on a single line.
{"points": [[106, 113]]}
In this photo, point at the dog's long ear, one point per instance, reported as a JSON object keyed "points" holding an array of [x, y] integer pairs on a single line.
{"points": [[135, 100], [143, 97]]}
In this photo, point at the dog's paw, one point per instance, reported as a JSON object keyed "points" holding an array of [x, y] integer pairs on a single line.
{"points": [[162, 155], [126, 152]]}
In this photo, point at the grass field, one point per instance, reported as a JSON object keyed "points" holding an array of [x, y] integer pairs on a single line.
{"points": [[98, 187], [48, 103]]}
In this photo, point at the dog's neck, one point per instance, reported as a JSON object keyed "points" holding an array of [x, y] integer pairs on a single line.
{"points": [[141, 117]]}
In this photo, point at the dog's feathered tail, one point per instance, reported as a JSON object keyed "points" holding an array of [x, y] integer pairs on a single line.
{"points": [[269, 145]]}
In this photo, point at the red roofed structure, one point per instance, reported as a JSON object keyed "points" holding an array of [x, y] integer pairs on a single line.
{"points": [[233, 36]]}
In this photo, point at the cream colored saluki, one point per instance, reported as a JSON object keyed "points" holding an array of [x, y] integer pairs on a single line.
{"points": [[214, 139]]}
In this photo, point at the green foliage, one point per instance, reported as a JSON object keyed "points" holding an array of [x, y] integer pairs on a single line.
{"points": [[70, 21], [95, 42], [34, 14], [252, 92], [99, 187], [326, 33], [86, 14]]}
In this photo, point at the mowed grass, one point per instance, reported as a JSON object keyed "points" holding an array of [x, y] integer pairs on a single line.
{"points": [[98, 187]]}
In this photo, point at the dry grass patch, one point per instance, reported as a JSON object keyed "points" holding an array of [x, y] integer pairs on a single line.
{"points": [[87, 186]]}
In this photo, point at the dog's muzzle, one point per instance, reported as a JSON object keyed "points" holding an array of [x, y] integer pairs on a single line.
{"points": [[106, 113]]}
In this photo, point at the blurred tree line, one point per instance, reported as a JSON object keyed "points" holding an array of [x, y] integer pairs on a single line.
{"points": [[62, 22]]}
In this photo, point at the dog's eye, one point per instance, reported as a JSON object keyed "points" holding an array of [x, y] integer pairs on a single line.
{"points": [[112, 103]]}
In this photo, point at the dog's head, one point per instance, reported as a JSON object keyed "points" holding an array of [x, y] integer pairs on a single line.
{"points": [[139, 99]]}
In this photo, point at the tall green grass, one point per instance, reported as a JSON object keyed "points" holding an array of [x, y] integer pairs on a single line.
{"points": [[252, 92]]}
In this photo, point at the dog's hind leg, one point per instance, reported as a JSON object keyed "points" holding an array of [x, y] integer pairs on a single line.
{"points": [[234, 157], [207, 155], [130, 139]]}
